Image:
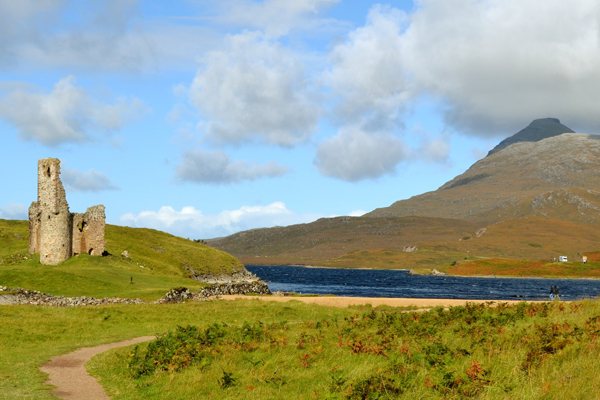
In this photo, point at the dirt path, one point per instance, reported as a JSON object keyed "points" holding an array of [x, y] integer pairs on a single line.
{"points": [[378, 301], [67, 372]]}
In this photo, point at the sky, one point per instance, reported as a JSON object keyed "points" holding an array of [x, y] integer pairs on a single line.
{"points": [[203, 118]]}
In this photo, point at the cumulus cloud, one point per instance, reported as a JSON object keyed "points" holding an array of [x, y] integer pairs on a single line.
{"points": [[67, 114], [14, 211], [254, 90], [203, 166], [90, 181], [368, 74], [104, 34], [436, 150], [275, 17], [192, 223], [497, 65], [353, 155]]}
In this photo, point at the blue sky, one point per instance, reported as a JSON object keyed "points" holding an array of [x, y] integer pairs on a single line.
{"points": [[203, 120]]}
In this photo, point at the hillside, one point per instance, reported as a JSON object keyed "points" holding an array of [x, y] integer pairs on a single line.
{"points": [[555, 177], [328, 238], [157, 263], [536, 194]]}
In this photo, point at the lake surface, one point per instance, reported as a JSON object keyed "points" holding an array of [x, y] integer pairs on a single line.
{"points": [[386, 283]]}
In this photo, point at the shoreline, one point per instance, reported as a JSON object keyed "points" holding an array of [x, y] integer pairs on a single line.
{"points": [[375, 301]]}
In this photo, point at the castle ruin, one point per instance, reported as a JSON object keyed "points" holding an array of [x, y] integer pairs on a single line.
{"points": [[56, 233]]}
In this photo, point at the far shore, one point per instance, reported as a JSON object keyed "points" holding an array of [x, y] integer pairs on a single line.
{"points": [[592, 278]]}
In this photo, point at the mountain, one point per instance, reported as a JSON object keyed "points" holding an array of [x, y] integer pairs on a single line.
{"points": [[536, 194], [538, 130], [554, 176]]}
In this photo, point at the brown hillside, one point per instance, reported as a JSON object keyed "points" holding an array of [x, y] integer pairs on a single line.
{"points": [[439, 242], [555, 177], [328, 238]]}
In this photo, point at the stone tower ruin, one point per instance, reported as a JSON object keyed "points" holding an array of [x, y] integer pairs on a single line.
{"points": [[56, 233]]}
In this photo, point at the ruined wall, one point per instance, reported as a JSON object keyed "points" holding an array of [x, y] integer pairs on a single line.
{"points": [[88, 231], [54, 232], [34, 228]]}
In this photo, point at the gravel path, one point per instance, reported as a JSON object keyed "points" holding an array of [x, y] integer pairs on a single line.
{"points": [[67, 372]]}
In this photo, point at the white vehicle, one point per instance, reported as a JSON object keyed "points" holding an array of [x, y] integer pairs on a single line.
{"points": [[562, 259]]}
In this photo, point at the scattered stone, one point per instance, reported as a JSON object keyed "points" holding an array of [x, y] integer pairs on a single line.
{"points": [[409, 248], [435, 272], [158, 249], [480, 232], [125, 254]]}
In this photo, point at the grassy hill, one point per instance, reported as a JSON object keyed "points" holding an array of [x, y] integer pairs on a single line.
{"points": [[366, 242], [329, 238], [158, 262]]}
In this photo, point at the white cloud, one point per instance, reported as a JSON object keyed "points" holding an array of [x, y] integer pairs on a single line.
{"points": [[216, 167], [367, 74], [353, 155], [90, 181], [437, 150], [192, 223], [67, 114], [274, 17], [14, 211], [254, 90], [357, 213], [498, 64]]}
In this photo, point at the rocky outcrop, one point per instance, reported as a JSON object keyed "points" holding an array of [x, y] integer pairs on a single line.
{"points": [[242, 276], [258, 287]]}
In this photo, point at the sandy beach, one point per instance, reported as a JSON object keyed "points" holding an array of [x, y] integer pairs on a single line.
{"points": [[374, 301]]}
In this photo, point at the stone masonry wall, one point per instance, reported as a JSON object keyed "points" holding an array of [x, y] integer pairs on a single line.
{"points": [[88, 231], [53, 231]]}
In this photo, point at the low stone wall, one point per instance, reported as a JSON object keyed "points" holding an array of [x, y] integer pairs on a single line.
{"points": [[34, 297], [258, 287], [176, 295]]}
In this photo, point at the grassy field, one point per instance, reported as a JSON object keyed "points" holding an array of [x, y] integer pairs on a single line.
{"points": [[506, 267], [158, 263], [247, 349]]}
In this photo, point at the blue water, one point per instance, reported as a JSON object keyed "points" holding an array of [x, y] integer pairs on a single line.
{"points": [[385, 283]]}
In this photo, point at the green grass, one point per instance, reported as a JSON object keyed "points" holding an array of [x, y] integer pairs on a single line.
{"points": [[299, 351], [30, 335], [158, 262], [544, 350]]}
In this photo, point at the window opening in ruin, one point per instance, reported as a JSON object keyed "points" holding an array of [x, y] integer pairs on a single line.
{"points": [[90, 251], [80, 226], [48, 172]]}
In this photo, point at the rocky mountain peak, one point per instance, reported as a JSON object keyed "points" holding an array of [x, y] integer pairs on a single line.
{"points": [[538, 130]]}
